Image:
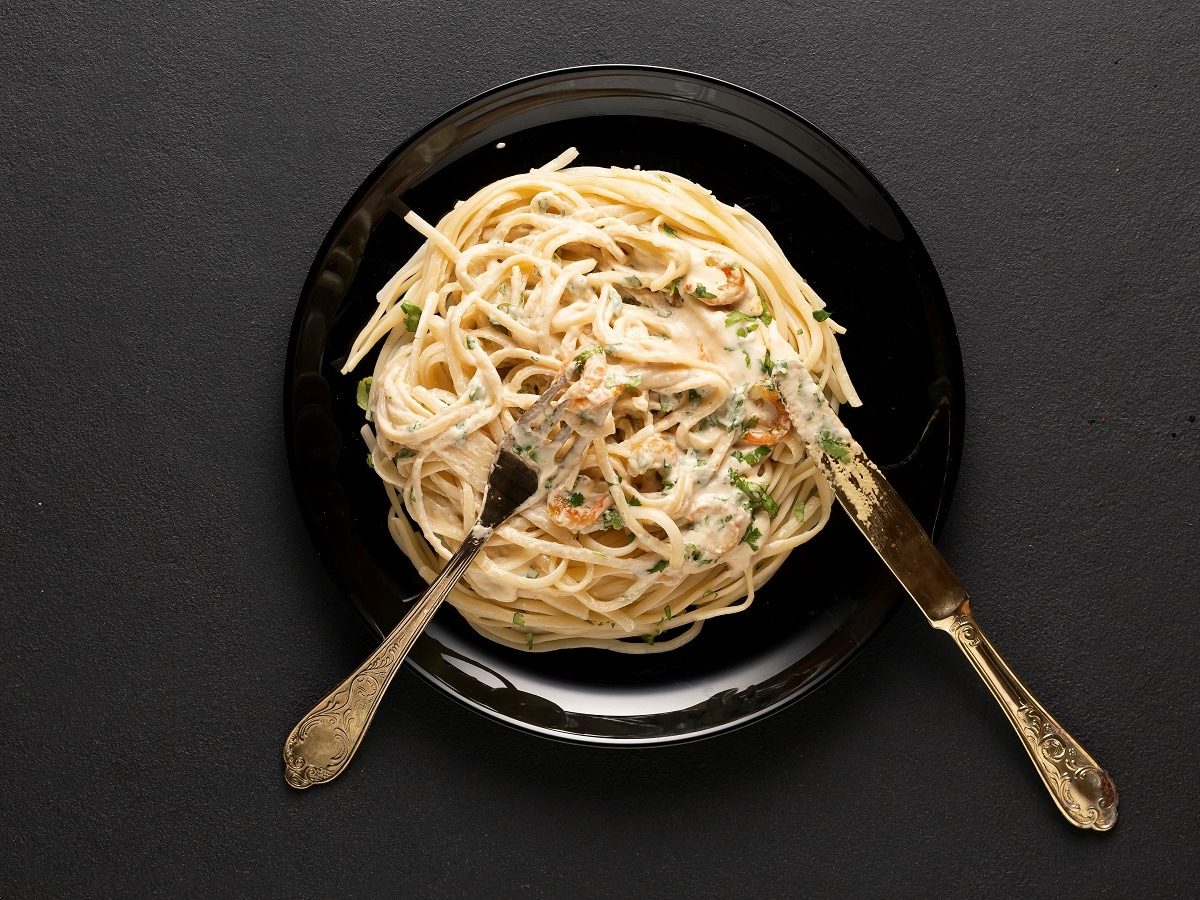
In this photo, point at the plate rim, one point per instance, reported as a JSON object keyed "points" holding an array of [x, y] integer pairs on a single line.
{"points": [[956, 436]]}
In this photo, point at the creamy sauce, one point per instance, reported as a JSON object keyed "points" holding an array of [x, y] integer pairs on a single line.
{"points": [[745, 387], [686, 387]]}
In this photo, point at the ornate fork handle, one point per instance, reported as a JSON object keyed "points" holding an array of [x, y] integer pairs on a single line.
{"points": [[321, 745], [1082, 790]]}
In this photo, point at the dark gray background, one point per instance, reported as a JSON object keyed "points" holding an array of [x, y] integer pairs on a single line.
{"points": [[167, 176]]}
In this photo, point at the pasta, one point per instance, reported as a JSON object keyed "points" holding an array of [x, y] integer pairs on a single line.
{"points": [[686, 321]]}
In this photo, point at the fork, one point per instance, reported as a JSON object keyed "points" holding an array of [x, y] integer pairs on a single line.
{"points": [[322, 744]]}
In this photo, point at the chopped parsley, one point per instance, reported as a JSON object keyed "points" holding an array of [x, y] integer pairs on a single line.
{"points": [[630, 383], [649, 638], [634, 501], [575, 498], [518, 618], [470, 342], [798, 511], [529, 641], [667, 611], [612, 520], [820, 315], [663, 177], [746, 424], [584, 355], [752, 536], [669, 230], [694, 395], [363, 394], [370, 460], [703, 293], [737, 317], [673, 287], [633, 281], [476, 393], [754, 457], [657, 567], [405, 453], [756, 495], [833, 445], [746, 354], [412, 316], [521, 450]]}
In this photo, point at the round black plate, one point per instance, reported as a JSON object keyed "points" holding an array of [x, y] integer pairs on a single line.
{"points": [[843, 233]]}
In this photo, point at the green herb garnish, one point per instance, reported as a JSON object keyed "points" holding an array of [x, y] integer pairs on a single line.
{"points": [[657, 567], [798, 511], [633, 281], [703, 293], [363, 394], [405, 453], [634, 501], [833, 445], [575, 498], [669, 230], [754, 457], [518, 618], [412, 316], [612, 520], [370, 460], [584, 355], [820, 315], [756, 495], [630, 384], [476, 393], [752, 536]]}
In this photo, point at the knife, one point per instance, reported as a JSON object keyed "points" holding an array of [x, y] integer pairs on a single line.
{"points": [[1083, 791]]}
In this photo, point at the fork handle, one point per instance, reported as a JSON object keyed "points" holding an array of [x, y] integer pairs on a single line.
{"points": [[1081, 789], [322, 744]]}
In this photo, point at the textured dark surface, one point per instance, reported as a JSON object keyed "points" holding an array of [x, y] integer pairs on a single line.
{"points": [[166, 178]]}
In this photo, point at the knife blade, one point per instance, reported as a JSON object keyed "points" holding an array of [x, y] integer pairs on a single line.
{"points": [[1082, 790]]}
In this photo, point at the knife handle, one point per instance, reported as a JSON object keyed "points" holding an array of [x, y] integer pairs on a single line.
{"points": [[1081, 789]]}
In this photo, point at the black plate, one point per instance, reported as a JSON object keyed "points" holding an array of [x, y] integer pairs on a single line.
{"points": [[844, 234]]}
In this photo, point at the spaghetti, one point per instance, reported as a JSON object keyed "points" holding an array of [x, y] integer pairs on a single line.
{"points": [[684, 317]]}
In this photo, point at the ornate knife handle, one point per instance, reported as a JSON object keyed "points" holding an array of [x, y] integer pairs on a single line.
{"points": [[1083, 791], [321, 745]]}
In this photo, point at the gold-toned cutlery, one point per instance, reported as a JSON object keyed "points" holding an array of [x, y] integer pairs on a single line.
{"points": [[322, 744], [1082, 790]]}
